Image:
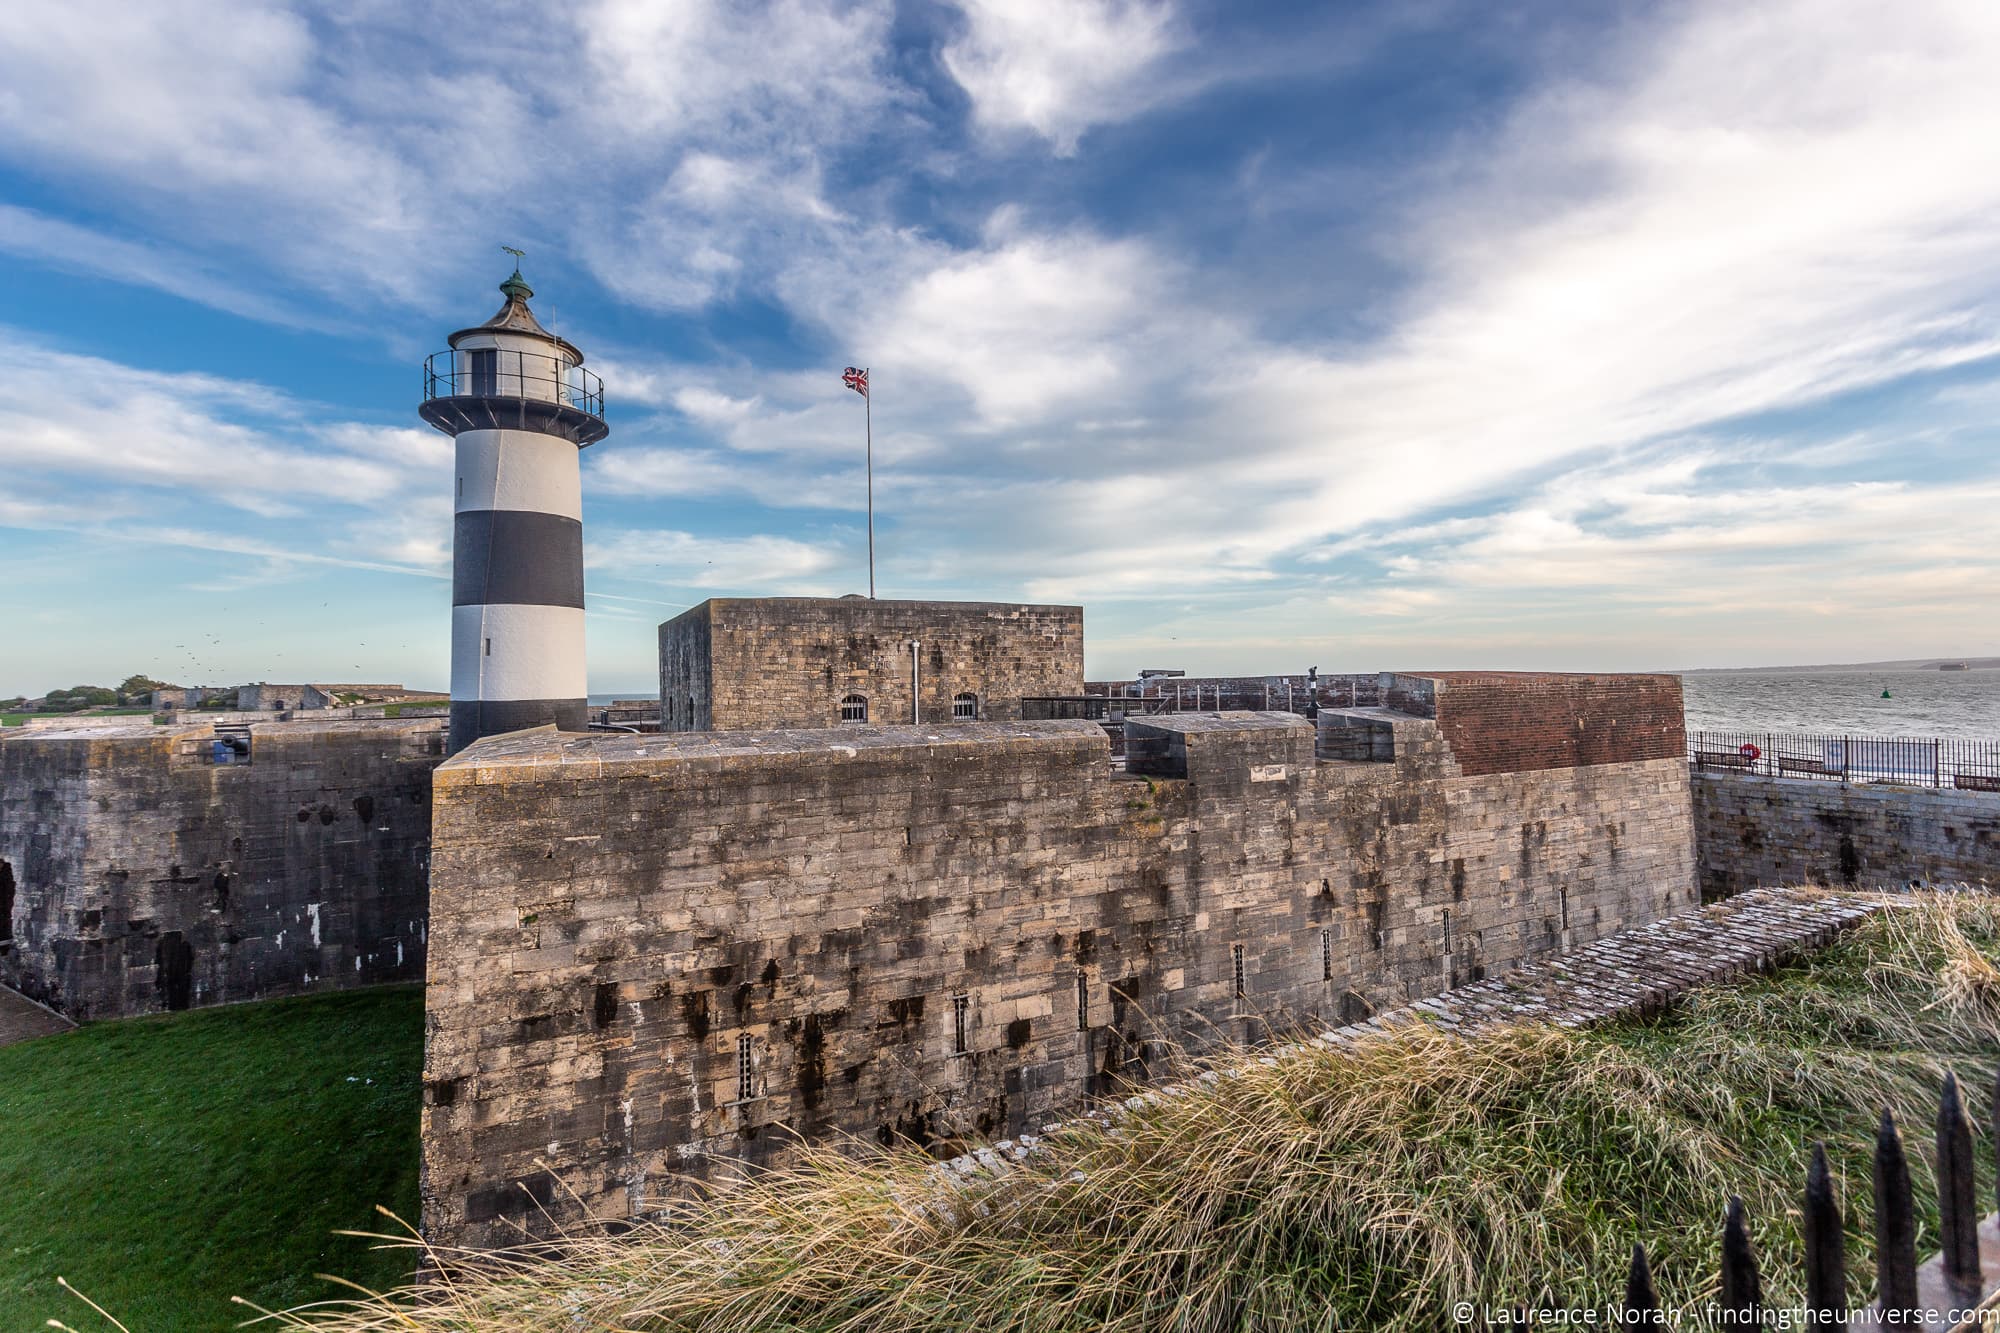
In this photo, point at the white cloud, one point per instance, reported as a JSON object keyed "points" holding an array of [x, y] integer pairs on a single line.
{"points": [[350, 156], [1057, 67], [696, 474], [242, 443], [1027, 326], [688, 560], [775, 70], [1664, 249], [62, 244]]}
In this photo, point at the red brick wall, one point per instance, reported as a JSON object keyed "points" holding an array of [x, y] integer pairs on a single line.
{"points": [[1516, 721]]}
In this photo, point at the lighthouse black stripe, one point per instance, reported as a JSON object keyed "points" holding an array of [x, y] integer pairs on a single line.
{"points": [[516, 557], [474, 718]]}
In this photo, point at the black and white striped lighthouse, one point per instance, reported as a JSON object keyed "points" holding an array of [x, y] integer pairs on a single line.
{"points": [[521, 407]]}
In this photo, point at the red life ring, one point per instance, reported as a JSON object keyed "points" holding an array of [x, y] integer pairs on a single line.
{"points": [[1750, 752]]}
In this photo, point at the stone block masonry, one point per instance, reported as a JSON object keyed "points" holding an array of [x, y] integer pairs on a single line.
{"points": [[137, 874], [1625, 975], [661, 957], [1753, 830], [735, 664]]}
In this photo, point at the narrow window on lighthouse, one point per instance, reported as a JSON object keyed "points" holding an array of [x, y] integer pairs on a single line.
{"points": [[489, 647]]}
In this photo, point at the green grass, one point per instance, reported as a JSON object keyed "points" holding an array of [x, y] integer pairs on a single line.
{"points": [[165, 1164], [1360, 1189], [12, 719]]}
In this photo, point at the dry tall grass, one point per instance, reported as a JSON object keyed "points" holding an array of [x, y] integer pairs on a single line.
{"points": [[1367, 1188]]}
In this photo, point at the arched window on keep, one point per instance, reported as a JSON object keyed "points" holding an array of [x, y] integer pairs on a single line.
{"points": [[854, 708], [965, 708]]}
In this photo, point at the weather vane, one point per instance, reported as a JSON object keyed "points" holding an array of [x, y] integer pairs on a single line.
{"points": [[518, 256]]}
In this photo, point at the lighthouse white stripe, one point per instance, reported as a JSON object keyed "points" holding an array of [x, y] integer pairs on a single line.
{"points": [[536, 652], [519, 469]]}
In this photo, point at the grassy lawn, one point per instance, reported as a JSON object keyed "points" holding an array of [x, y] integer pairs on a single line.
{"points": [[12, 719], [1368, 1188], [165, 1164]]}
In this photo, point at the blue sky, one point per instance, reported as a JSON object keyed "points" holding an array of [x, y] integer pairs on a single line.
{"points": [[1420, 335]]}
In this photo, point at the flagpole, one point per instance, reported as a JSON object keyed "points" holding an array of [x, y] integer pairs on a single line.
{"points": [[868, 416]]}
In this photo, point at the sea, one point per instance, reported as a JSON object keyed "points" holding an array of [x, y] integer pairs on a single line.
{"points": [[1956, 705]]}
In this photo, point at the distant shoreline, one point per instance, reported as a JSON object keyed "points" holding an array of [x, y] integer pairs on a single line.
{"points": [[1831, 668]]}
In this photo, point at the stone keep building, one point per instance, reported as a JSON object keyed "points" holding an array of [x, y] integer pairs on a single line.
{"points": [[520, 406], [660, 957], [736, 664]]}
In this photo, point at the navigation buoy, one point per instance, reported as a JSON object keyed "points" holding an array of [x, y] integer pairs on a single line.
{"points": [[1885, 694]]}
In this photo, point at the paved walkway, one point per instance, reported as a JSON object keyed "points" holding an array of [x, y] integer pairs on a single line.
{"points": [[1632, 972], [21, 1018]]}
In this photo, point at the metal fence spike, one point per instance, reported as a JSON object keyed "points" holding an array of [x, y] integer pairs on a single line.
{"points": [[1895, 1226], [1741, 1291], [1958, 1211], [1642, 1302], [1826, 1247]]}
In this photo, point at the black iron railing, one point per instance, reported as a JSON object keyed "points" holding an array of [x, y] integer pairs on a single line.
{"points": [[502, 372], [1955, 1290], [1925, 762]]}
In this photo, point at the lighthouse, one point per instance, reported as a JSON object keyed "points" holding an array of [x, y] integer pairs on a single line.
{"points": [[521, 408]]}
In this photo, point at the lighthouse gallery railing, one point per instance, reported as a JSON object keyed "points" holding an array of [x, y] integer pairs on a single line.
{"points": [[511, 373]]}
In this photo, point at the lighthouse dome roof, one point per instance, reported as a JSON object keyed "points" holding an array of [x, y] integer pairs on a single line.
{"points": [[515, 317]]}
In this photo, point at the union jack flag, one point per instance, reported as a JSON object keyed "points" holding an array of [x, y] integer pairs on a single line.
{"points": [[856, 380]]}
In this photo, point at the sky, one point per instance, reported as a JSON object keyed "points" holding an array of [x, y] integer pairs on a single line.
{"points": [[1415, 336]]}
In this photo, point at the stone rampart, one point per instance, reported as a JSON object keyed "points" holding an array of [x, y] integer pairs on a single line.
{"points": [[655, 957], [139, 874], [1752, 830]]}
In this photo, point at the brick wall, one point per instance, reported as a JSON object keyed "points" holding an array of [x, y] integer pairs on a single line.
{"points": [[626, 929], [789, 661], [1509, 721], [1752, 830], [147, 877]]}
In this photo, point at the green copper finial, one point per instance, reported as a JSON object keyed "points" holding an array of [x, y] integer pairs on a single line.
{"points": [[516, 287]]}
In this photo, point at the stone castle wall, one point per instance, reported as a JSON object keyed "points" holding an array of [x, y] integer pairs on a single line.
{"points": [[1753, 830], [738, 664], [143, 876], [653, 955]]}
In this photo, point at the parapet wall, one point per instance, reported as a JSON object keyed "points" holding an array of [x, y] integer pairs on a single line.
{"points": [[145, 876], [653, 956], [1753, 830], [1504, 721]]}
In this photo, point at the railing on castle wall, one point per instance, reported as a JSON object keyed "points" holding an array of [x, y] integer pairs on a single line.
{"points": [[1178, 694], [1952, 1291], [1936, 762]]}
